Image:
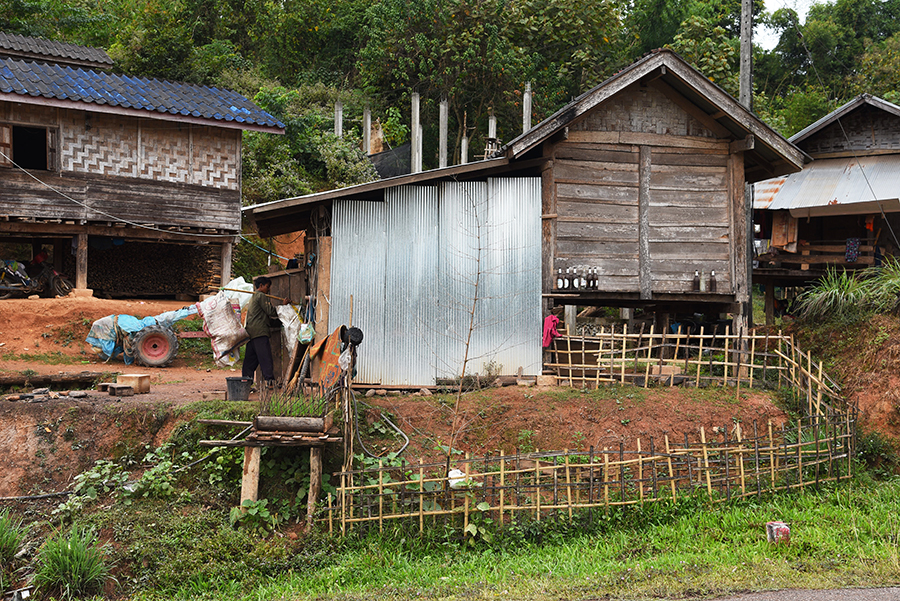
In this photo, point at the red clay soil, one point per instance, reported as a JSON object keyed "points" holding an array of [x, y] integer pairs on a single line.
{"points": [[47, 444]]}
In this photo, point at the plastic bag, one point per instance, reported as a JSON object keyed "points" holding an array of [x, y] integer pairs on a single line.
{"points": [[222, 324], [307, 333]]}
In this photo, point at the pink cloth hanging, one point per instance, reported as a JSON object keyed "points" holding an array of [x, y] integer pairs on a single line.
{"points": [[550, 331]]}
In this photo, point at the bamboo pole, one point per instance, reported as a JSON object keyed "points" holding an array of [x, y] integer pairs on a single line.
{"points": [[756, 458], [568, 485], [421, 496], [466, 497], [380, 495], [741, 458], [706, 462], [537, 490], [330, 515], [700, 357], [640, 468], [605, 478], [649, 350], [752, 358], [624, 349], [819, 391], [725, 376], [671, 471], [502, 483], [800, 451]]}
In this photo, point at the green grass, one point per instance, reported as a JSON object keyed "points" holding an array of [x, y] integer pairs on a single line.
{"points": [[841, 535], [48, 358]]}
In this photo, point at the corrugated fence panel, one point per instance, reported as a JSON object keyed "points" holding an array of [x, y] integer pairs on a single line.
{"points": [[410, 285], [358, 258], [509, 315], [418, 263]]}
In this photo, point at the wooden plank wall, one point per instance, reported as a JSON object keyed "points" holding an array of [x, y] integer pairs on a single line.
{"points": [[642, 193], [141, 201], [163, 173]]}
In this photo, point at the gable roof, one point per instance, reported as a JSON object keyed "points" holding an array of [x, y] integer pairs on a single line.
{"points": [[843, 111], [76, 88], [771, 154], [23, 47]]}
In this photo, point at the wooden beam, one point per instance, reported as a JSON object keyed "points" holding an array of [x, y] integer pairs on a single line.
{"points": [[743, 145], [227, 249]]}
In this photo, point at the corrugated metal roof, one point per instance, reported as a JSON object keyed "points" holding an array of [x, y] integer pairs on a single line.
{"points": [[21, 46], [51, 81], [833, 183]]}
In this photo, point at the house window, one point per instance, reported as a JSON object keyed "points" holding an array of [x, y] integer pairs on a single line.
{"points": [[30, 147]]}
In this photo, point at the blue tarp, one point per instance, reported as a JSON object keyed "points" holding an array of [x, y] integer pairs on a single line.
{"points": [[107, 332]]}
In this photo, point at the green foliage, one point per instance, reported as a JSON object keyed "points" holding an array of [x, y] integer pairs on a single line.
{"points": [[710, 50], [103, 478], [12, 533], [839, 296], [253, 516], [878, 454], [72, 566], [158, 480]]}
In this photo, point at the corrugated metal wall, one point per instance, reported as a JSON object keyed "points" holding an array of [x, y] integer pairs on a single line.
{"points": [[415, 265]]}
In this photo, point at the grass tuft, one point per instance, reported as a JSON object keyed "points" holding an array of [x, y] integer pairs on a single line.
{"points": [[73, 566]]}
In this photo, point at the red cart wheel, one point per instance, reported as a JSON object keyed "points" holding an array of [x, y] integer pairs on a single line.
{"points": [[155, 346]]}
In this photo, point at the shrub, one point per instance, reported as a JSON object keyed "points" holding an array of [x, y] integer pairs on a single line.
{"points": [[839, 296], [72, 566]]}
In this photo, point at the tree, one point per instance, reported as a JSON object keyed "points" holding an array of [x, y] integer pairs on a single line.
{"points": [[710, 51]]}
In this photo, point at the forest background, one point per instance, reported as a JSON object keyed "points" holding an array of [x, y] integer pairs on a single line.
{"points": [[295, 58]]}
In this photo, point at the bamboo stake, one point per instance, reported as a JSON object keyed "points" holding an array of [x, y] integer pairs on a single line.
{"points": [[621, 469], [624, 348], [725, 376], [700, 357], [819, 392], [502, 483], [466, 497], [649, 350], [537, 489], [752, 358], [640, 474], [606, 478], [343, 504], [330, 515], [706, 462], [741, 458], [421, 497], [380, 495], [675, 362], [780, 362], [568, 485], [653, 470], [671, 472], [756, 458], [800, 451]]}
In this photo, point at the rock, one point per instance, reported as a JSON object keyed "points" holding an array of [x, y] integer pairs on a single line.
{"points": [[424, 392], [78, 394], [40, 391], [395, 392], [34, 297], [381, 392], [370, 393]]}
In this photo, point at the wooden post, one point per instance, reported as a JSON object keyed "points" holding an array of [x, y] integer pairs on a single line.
{"points": [[330, 515], [227, 250], [315, 481], [323, 294], [640, 472], [464, 150], [771, 455], [568, 485], [343, 492], [466, 501], [605, 478], [502, 484], [770, 303], [443, 125], [741, 458], [644, 272], [700, 358], [81, 262], [250, 477], [537, 490]]}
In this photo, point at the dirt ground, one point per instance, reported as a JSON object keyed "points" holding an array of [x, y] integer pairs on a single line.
{"points": [[46, 444]]}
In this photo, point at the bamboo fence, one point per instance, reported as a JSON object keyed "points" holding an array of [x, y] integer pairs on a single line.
{"points": [[723, 464]]}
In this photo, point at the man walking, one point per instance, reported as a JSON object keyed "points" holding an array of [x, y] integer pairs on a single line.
{"points": [[261, 319]]}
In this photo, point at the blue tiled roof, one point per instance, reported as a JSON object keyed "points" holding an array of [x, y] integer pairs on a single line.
{"points": [[21, 46], [28, 78]]}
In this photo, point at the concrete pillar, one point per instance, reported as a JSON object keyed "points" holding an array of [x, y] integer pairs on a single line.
{"points": [[464, 151], [526, 108], [444, 124], [416, 163], [367, 130], [339, 119]]}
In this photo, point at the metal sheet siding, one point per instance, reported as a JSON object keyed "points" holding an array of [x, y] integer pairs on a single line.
{"points": [[829, 182], [441, 248], [358, 259]]}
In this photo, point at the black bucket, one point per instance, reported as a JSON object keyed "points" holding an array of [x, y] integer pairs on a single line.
{"points": [[239, 388]]}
